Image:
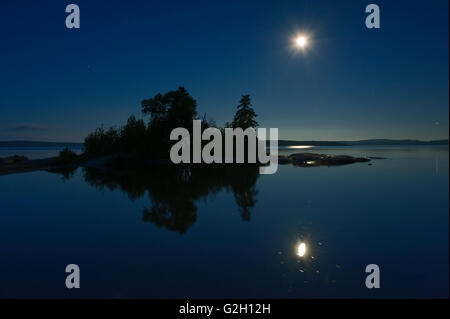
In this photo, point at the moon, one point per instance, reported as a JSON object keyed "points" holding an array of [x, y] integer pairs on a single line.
{"points": [[301, 41]]}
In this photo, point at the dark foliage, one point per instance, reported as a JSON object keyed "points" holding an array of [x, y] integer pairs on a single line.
{"points": [[66, 156], [168, 111]]}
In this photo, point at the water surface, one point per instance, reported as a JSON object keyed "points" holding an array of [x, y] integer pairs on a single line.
{"points": [[231, 232]]}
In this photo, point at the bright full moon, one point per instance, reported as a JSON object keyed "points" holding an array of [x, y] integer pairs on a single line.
{"points": [[301, 41]]}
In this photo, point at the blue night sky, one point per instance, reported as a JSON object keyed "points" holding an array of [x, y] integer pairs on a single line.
{"points": [[351, 83]]}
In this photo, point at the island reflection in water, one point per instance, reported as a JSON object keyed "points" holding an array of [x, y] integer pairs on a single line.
{"points": [[173, 189]]}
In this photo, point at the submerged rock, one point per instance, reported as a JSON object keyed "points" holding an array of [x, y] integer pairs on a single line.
{"points": [[312, 159]]}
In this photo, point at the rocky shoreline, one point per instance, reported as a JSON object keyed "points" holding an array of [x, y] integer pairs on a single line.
{"points": [[21, 164], [313, 159]]}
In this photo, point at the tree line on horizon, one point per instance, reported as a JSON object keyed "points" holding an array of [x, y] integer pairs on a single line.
{"points": [[166, 112]]}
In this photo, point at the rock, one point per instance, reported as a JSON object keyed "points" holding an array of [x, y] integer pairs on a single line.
{"points": [[313, 159], [284, 160], [344, 159]]}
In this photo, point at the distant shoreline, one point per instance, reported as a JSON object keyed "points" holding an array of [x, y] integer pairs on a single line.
{"points": [[38, 144], [280, 143], [362, 142]]}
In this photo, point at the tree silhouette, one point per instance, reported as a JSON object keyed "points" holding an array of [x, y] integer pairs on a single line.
{"points": [[174, 109], [167, 111], [245, 115]]}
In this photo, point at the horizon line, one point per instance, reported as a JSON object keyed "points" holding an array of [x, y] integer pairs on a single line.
{"points": [[288, 140]]}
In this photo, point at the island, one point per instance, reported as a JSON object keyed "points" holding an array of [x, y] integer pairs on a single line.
{"points": [[138, 144]]}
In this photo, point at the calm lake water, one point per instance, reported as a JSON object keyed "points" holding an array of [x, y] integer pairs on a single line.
{"points": [[169, 233]]}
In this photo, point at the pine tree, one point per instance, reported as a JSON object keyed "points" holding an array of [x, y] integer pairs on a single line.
{"points": [[245, 115]]}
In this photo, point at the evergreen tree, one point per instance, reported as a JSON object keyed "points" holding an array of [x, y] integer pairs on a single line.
{"points": [[245, 115]]}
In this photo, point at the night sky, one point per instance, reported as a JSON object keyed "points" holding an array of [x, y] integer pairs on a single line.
{"points": [[351, 83]]}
